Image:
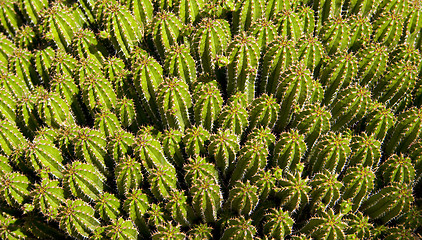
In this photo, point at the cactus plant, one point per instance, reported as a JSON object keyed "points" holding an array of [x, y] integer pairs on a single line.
{"points": [[223, 149], [208, 104], [108, 207], [289, 150], [358, 184], [243, 198], [278, 223], [206, 200], [239, 228], [397, 169]]}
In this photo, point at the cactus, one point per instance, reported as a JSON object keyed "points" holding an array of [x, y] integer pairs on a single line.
{"points": [[278, 58], [42, 154], [108, 206], [252, 158], [171, 141], [85, 45], [163, 182], [128, 174], [406, 131], [106, 122], [223, 149], [210, 40], [148, 75], [358, 184], [372, 62], [335, 34], [150, 152], [143, 10], [234, 117], [136, 205], [263, 111], [189, 10], [365, 150], [243, 198], [288, 24], [175, 101], [124, 30], [77, 218], [359, 225], [48, 197], [326, 189], [264, 31], [10, 137], [361, 30], [389, 202], [337, 74], [350, 105], [84, 181], [289, 150], [126, 112], [194, 141], [389, 89], [239, 228], [179, 208], [119, 144], [60, 25], [10, 19], [121, 229], [292, 189], [326, 225], [329, 152], [388, 28], [166, 32], [179, 63], [265, 181], [397, 169], [90, 145], [243, 55], [208, 104], [168, 231], [246, 13], [20, 64], [312, 121], [198, 170], [278, 224], [206, 200], [15, 188], [52, 109], [200, 232]]}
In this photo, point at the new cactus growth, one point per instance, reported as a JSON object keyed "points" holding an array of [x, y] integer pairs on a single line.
{"points": [[278, 223]]}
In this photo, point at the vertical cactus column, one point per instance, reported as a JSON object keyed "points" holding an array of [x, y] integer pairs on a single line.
{"points": [[313, 120], [243, 198], [325, 190], [293, 90], [335, 34], [278, 223], [239, 228], [372, 62], [388, 203], [175, 102], [210, 40], [166, 32], [397, 169], [358, 183], [263, 111], [366, 150], [289, 150], [243, 55], [206, 200], [179, 63], [208, 104], [223, 148], [246, 12]]}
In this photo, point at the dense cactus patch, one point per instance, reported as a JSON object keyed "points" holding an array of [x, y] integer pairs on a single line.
{"points": [[210, 119]]}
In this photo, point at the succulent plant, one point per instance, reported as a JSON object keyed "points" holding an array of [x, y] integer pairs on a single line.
{"points": [[210, 119]]}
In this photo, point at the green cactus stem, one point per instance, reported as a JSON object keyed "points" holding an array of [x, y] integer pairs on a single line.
{"points": [[243, 198], [166, 32], [210, 40], [175, 102], [223, 148], [278, 223], [366, 150], [128, 174], [372, 62], [206, 200], [162, 182], [121, 229], [168, 231], [246, 13], [15, 189], [397, 169], [84, 181], [335, 35], [350, 105], [108, 207], [337, 74], [47, 197], [77, 219], [179, 63], [407, 130], [330, 152], [243, 55], [239, 228], [388, 203], [358, 183], [289, 150], [208, 104], [179, 208], [312, 121], [278, 58]]}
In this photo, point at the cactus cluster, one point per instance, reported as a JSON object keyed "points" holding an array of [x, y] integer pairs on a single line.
{"points": [[210, 119]]}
